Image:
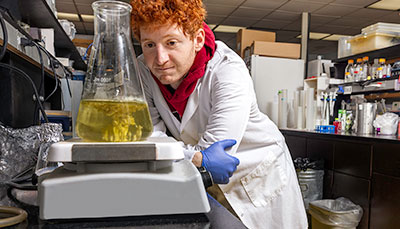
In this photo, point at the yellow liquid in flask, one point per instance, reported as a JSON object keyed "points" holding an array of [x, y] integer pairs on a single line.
{"points": [[113, 121]]}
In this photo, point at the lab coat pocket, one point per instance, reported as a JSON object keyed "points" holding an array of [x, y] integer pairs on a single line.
{"points": [[265, 182]]}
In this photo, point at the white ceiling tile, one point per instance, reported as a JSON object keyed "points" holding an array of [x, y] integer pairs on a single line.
{"points": [[84, 9], [271, 24], [358, 3], [336, 10], [250, 12], [283, 15], [294, 26], [86, 2], [300, 6], [368, 13], [317, 1], [239, 21], [322, 19], [262, 4], [351, 22], [65, 7], [214, 19], [351, 31], [393, 17], [315, 25], [222, 10], [331, 29], [224, 2]]}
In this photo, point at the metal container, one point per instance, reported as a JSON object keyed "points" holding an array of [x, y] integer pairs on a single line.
{"points": [[365, 116], [311, 184]]}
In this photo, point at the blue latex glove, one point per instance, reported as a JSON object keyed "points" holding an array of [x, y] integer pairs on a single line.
{"points": [[220, 164]]}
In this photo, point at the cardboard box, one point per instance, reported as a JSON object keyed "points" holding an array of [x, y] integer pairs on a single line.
{"points": [[274, 49], [246, 37]]}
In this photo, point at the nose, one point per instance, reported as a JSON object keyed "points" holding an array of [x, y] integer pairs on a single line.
{"points": [[162, 55]]}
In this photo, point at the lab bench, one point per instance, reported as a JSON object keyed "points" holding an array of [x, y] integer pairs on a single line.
{"points": [[218, 217], [363, 168]]}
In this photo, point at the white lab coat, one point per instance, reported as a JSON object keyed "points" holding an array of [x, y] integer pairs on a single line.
{"points": [[264, 191]]}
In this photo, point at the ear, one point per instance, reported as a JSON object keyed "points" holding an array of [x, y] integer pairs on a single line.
{"points": [[199, 39]]}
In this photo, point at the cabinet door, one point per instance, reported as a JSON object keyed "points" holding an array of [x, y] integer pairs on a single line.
{"points": [[355, 189], [387, 159], [353, 158], [385, 202], [296, 145], [328, 184], [321, 149]]}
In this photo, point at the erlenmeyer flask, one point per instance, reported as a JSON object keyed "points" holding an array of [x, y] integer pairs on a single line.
{"points": [[113, 107]]}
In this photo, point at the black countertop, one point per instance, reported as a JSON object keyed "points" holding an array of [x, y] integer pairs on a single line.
{"points": [[352, 136], [218, 217]]}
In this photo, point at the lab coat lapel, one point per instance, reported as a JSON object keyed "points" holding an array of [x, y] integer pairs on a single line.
{"points": [[191, 106]]}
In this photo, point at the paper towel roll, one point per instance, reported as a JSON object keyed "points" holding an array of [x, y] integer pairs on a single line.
{"points": [[310, 109], [302, 103], [300, 117], [283, 109], [295, 107]]}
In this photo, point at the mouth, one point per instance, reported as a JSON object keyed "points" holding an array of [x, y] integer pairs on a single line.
{"points": [[164, 69]]}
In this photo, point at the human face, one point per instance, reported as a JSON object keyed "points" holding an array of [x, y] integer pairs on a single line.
{"points": [[168, 52]]}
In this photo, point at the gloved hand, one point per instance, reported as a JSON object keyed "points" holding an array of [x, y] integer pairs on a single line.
{"points": [[220, 164]]}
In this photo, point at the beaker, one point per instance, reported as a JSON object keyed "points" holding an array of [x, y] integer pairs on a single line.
{"points": [[113, 106]]}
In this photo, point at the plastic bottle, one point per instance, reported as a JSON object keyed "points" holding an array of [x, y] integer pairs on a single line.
{"points": [[388, 71], [365, 69], [358, 70], [349, 71], [381, 69], [374, 66]]}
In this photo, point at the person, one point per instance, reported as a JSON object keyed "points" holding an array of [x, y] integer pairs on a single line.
{"points": [[199, 91]]}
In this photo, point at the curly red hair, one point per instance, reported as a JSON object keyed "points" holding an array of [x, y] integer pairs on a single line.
{"points": [[187, 14]]}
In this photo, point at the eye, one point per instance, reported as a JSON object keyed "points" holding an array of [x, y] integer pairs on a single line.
{"points": [[149, 45], [172, 43]]}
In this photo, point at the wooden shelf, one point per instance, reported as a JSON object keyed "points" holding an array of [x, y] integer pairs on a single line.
{"points": [[38, 14]]}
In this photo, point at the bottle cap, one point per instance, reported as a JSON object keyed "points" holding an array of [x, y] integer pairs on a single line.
{"points": [[350, 61], [359, 59], [365, 58]]}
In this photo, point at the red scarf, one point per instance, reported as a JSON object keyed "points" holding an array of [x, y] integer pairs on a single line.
{"points": [[177, 100]]}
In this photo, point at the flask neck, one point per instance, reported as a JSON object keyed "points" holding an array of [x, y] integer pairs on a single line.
{"points": [[111, 18]]}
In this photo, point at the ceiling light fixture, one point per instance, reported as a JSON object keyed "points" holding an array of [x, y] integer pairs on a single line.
{"points": [[87, 18], [334, 37], [316, 36], [227, 28], [68, 16], [386, 5]]}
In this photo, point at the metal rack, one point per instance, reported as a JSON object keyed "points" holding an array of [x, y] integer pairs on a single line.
{"points": [[38, 14]]}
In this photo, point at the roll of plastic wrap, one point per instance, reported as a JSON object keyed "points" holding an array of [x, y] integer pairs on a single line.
{"points": [[283, 109], [302, 103], [300, 117], [295, 108], [310, 109]]}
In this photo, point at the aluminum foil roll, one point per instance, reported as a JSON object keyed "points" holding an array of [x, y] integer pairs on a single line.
{"points": [[19, 149]]}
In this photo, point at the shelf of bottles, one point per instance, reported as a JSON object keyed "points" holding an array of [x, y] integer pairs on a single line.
{"points": [[361, 76]]}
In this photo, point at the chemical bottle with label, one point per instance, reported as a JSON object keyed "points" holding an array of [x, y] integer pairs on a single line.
{"points": [[358, 70], [365, 69], [381, 69], [388, 71], [374, 67], [349, 72]]}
